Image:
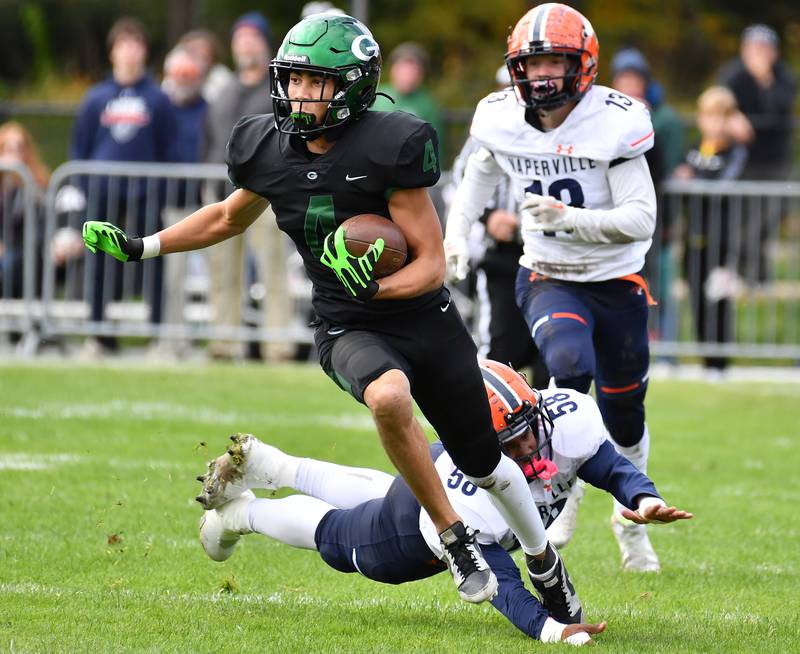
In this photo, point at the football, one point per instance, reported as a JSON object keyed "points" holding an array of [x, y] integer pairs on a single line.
{"points": [[363, 230]]}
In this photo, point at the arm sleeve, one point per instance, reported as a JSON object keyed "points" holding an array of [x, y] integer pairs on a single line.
{"points": [[612, 472], [481, 176], [633, 217], [513, 600]]}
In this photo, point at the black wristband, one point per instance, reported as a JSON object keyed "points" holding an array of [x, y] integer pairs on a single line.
{"points": [[134, 248], [367, 293]]}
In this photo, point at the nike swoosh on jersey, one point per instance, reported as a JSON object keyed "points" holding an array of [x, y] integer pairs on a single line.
{"points": [[444, 308], [335, 331], [353, 179]]}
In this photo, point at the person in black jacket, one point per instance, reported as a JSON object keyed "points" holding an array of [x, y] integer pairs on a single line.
{"points": [[764, 89]]}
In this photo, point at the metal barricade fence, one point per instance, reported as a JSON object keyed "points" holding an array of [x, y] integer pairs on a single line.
{"points": [[18, 231], [725, 265], [93, 295]]}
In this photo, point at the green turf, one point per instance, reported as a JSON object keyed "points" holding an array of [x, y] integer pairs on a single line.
{"points": [[99, 552]]}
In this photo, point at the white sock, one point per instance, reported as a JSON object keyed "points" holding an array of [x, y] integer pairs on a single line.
{"points": [[509, 492], [342, 486], [637, 455], [292, 520]]}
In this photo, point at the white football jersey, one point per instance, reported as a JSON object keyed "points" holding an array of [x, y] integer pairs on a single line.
{"points": [[570, 163], [578, 432]]}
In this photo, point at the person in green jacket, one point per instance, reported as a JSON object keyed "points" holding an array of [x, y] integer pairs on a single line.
{"points": [[408, 67]]}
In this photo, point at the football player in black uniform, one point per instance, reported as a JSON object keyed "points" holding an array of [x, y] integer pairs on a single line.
{"points": [[320, 159]]}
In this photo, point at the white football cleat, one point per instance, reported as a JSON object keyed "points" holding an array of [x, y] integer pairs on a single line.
{"points": [[637, 552], [248, 463], [560, 531], [220, 529]]}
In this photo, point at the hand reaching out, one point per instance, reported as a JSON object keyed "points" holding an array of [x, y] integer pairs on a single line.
{"points": [[656, 513]]}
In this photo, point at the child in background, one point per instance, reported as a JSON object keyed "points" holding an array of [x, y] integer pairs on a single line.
{"points": [[712, 226]]}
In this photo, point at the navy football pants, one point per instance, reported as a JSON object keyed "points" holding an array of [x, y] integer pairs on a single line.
{"points": [[593, 330]]}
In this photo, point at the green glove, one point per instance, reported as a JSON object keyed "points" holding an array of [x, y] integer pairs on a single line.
{"points": [[357, 274], [112, 240]]}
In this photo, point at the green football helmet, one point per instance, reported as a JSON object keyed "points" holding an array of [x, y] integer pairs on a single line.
{"points": [[338, 48]]}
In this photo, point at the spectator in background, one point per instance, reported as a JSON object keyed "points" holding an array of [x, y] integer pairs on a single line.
{"points": [[183, 84], [247, 93], [631, 76], [408, 67], [764, 89], [124, 118], [709, 258], [205, 47], [17, 147]]}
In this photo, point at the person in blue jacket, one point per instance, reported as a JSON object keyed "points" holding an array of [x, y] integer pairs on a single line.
{"points": [[126, 117], [366, 521]]}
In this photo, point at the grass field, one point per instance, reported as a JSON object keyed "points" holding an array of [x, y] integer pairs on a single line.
{"points": [[99, 551]]}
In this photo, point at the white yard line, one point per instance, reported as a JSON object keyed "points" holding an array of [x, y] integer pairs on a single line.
{"points": [[278, 598], [24, 461], [157, 411]]}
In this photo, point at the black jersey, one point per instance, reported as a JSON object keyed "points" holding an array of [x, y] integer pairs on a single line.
{"points": [[313, 194]]}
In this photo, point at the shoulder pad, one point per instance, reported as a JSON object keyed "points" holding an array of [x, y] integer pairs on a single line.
{"points": [[625, 128], [578, 428], [404, 147], [246, 138], [496, 118]]}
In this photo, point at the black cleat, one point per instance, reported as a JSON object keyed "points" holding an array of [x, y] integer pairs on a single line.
{"points": [[473, 576], [555, 588]]}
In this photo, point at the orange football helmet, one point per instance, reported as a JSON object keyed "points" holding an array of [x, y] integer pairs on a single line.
{"points": [[553, 28], [515, 408]]}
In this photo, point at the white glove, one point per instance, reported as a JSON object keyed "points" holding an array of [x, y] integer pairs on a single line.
{"points": [[546, 214], [456, 254], [552, 632]]}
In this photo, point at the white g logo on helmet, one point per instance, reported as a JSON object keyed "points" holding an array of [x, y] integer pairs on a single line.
{"points": [[364, 47]]}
